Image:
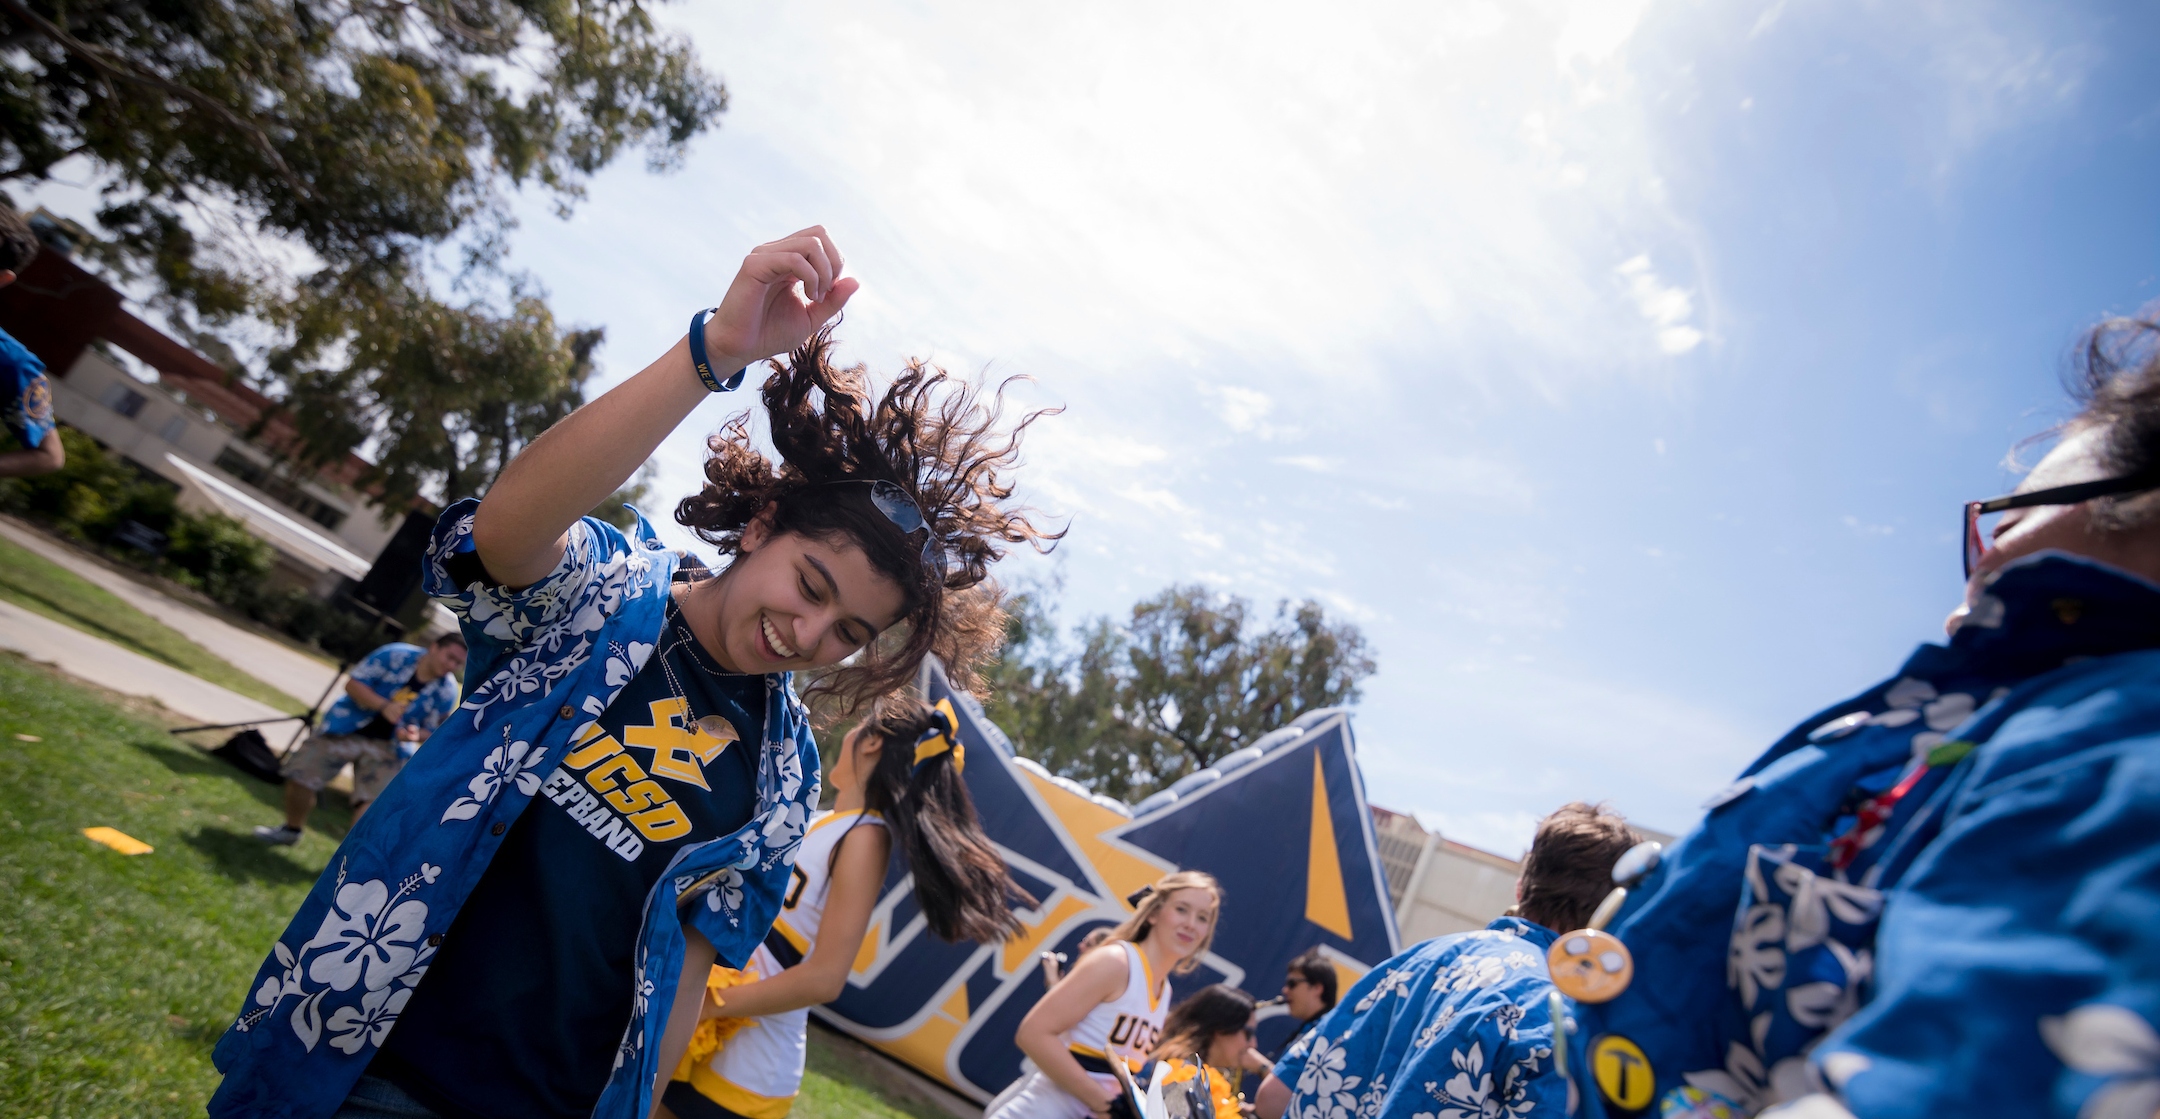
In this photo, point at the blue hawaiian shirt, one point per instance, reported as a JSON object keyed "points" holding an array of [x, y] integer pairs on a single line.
{"points": [[549, 659], [1937, 898], [26, 405], [382, 671], [1454, 1028]]}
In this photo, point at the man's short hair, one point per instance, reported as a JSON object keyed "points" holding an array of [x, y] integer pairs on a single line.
{"points": [[1569, 868], [451, 638], [1314, 968], [17, 243]]}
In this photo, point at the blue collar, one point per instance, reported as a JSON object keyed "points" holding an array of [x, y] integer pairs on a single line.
{"points": [[1528, 930], [2041, 611]]}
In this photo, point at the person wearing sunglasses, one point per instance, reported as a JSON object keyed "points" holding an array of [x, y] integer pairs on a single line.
{"points": [[526, 921], [1937, 897], [1308, 991]]}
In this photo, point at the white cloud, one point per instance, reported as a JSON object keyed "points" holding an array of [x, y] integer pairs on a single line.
{"points": [[1158, 500], [1215, 183], [1665, 307], [1244, 410]]}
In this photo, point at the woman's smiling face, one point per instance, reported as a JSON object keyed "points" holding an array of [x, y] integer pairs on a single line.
{"points": [[791, 602], [1185, 919]]}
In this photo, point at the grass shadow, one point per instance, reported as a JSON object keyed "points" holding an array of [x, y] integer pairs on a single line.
{"points": [[186, 761], [245, 858], [333, 810]]}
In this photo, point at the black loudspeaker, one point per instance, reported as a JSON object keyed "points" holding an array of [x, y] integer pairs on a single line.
{"points": [[396, 574]]}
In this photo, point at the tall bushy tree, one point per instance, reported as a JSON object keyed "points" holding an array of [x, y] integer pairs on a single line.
{"points": [[368, 133], [1190, 677], [449, 394]]}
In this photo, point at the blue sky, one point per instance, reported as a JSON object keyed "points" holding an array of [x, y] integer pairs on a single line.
{"points": [[1620, 366]]}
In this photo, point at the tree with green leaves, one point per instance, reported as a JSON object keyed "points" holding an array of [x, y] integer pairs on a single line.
{"points": [[1190, 677], [372, 135]]}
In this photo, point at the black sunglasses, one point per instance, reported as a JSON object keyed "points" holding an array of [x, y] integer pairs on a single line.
{"points": [[906, 516], [1977, 546]]}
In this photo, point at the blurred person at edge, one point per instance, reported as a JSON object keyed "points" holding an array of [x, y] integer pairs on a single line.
{"points": [[1938, 897], [396, 696], [1215, 1024], [26, 408], [1308, 991], [1475, 1003]]}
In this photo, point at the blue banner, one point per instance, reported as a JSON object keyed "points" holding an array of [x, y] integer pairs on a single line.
{"points": [[1283, 824]]}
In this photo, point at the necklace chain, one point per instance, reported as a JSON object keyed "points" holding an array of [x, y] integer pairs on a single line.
{"points": [[681, 634]]}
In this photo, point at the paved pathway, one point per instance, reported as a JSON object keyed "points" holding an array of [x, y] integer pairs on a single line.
{"points": [[109, 666], [296, 674]]}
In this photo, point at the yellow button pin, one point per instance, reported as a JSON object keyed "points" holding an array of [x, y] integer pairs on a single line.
{"points": [[1622, 1072]]}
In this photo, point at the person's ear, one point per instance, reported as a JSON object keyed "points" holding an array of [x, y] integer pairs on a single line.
{"points": [[6, 277], [760, 529]]}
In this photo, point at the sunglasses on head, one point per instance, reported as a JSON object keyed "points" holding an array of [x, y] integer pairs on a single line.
{"points": [[906, 516]]}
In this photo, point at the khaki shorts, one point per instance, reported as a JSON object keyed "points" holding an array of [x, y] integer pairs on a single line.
{"points": [[374, 763]]}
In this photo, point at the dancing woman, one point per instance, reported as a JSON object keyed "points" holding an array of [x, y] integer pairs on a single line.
{"points": [[525, 922]]}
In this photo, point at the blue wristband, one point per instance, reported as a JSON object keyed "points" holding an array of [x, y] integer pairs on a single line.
{"points": [[699, 362]]}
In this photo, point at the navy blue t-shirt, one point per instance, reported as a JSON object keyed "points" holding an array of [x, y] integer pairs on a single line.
{"points": [[525, 1002]]}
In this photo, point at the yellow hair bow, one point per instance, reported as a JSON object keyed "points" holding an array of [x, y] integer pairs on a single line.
{"points": [[940, 738]]}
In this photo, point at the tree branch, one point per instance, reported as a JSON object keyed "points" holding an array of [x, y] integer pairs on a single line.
{"points": [[109, 67]]}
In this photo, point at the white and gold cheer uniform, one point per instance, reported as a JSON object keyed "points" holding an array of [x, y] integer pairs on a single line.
{"points": [[758, 1071], [1125, 1028]]}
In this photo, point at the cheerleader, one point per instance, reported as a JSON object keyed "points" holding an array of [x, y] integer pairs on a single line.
{"points": [[898, 779], [1112, 1005]]}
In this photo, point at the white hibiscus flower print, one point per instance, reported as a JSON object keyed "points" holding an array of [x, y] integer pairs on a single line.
{"points": [[365, 938], [1323, 1092], [1396, 982], [370, 1022], [512, 762], [1824, 1004], [1754, 961], [1815, 900], [1435, 1028], [1469, 1093], [2102, 1039], [1473, 974], [1506, 1018]]}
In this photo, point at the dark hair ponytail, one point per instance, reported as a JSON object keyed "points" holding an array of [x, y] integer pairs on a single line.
{"points": [[961, 883]]}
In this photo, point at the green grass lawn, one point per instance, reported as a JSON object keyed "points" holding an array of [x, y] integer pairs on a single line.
{"points": [[118, 973], [35, 583]]}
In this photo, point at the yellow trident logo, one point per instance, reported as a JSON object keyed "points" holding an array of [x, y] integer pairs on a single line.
{"points": [[679, 751]]}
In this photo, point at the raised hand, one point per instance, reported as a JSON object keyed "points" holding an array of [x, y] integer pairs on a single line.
{"points": [[785, 291]]}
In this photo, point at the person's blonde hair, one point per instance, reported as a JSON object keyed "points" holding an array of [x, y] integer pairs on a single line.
{"points": [[1150, 902]]}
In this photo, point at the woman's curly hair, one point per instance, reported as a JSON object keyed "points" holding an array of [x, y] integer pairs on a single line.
{"points": [[933, 435]]}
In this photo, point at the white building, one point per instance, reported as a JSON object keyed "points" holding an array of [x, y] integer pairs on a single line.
{"points": [[322, 533]]}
